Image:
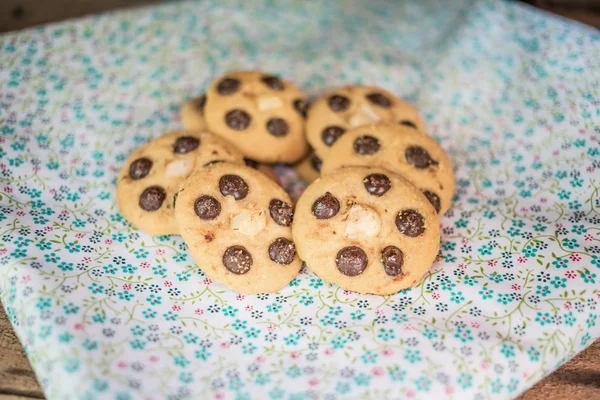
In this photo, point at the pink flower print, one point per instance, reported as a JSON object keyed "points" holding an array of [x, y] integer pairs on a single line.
{"points": [[377, 371], [199, 311], [86, 260], [26, 279], [571, 274], [588, 237], [485, 364], [225, 345], [108, 242], [271, 328], [313, 382], [543, 200], [176, 307], [567, 306], [160, 252], [524, 209], [475, 325], [409, 327], [122, 364], [598, 293], [464, 241], [21, 213], [329, 351], [249, 308], [154, 359], [449, 389], [346, 292], [387, 352], [7, 189], [575, 257], [492, 263], [379, 312], [435, 296], [79, 327], [410, 393], [3, 251], [207, 281], [219, 395], [462, 266], [126, 286], [36, 168], [295, 355], [260, 359], [522, 259], [590, 169], [145, 265], [239, 297], [168, 284], [555, 152], [558, 226], [516, 286], [48, 228]]}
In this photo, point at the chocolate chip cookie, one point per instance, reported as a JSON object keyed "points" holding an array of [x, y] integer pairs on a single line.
{"points": [[400, 149], [237, 224], [367, 230], [261, 114], [309, 168], [192, 114], [151, 177], [351, 106]]}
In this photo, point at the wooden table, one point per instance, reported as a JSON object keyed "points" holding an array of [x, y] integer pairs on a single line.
{"points": [[578, 379]]}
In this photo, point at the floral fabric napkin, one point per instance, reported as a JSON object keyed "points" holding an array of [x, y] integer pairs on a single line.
{"points": [[106, 311]]}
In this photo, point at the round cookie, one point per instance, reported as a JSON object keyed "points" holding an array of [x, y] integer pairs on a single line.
{"points": [[237, 224], [260, 113], [367, 230], [348, 107], [309, 168], [416, 157], [151, 177], [192, 114]]}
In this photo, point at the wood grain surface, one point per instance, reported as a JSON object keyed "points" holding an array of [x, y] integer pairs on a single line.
{"points": [[578, 379]]}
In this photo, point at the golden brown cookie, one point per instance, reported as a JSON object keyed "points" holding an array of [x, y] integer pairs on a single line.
{"points": [[367, 230], [260, 114], [192, 114], [309, 168], [236, 222], [348, 107], [264, 168], [416, 157], [151, 177]]}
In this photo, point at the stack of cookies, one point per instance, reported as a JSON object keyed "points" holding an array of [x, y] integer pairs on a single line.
{"points": [[368, 220]]}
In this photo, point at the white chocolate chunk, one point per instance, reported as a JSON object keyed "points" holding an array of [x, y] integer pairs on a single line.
{"points": [[249, 222], [362, 221], [180, 167], [364, 116], [269, 102]]}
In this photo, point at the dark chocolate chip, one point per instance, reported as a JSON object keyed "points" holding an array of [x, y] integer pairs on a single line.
{"points": [[140, 168], [393, 260], [273, 82], [277, 127], [301, 105], [233, 185], [338, 103], [207, 207], [238, 119], [434, 199], [331, 134], [200, 102], [251, 163], [228, 86], [351, 261], [326, 206], [282, 251], [419, 157], [185, 144], [366, 145], [379, 100], [408, 123], [281, 212], [377, 184], [316, 162], [410, 223], [237, 260], [152, 198], [213, 162]]}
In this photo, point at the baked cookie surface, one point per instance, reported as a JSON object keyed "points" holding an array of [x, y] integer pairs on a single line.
{"points": [[262, 115], [151, 177], [309, 168], [347, 107], [192, 114], [416, 157], [367, 230], [237, 224]]}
